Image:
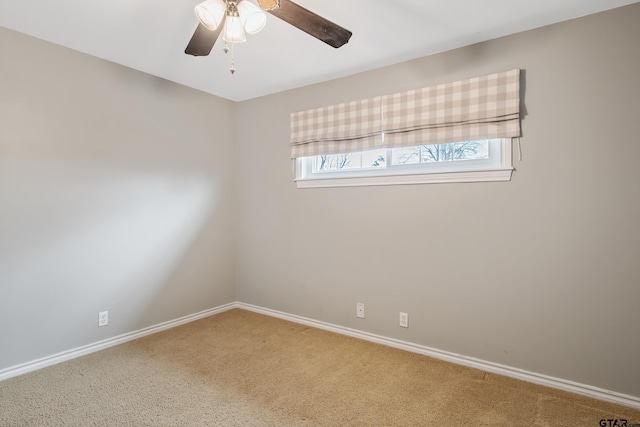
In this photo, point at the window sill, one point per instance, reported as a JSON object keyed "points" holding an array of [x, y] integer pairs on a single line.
{"points": [[491, 175]]}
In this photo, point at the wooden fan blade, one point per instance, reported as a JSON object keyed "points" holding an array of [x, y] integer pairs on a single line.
{"points": [[311, 23], [203, 40]]}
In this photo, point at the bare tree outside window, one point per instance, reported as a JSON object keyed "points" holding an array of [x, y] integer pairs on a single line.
{"points": [[332, 162], [359, 160], [455, 151], [468, 150]]}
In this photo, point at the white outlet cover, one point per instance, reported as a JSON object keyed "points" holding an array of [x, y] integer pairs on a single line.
{"points": [[103, 318], [404, 320]]}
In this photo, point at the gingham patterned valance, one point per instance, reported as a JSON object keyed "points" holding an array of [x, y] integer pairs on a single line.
{"points": [[479, 108], [353, 126]]}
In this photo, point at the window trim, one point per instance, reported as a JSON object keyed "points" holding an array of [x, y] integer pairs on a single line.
{"points": [[500, 170]]}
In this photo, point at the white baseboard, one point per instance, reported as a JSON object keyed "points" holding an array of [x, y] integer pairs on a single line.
{"points": [[520, 374], [101, 345], [532, 377]]}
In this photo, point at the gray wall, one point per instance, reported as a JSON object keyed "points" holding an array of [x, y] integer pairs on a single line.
{"points": [[117, 192], [540, 273]]}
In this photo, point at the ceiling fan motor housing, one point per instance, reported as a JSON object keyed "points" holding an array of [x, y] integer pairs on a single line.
{"points": [[269, 4]]}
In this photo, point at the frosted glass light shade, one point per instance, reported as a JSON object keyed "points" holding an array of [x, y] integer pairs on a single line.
{"points": [[233, 30], [253, 19], [211, 12]]}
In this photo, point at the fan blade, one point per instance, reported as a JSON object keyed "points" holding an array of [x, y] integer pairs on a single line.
{"points": [[312, 24], [203, 40]]}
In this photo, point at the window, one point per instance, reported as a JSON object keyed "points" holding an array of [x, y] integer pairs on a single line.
{"points": [[451, 132], [465, 161]]}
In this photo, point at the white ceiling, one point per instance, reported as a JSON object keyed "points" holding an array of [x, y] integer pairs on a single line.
{"points": [[151, 35]]}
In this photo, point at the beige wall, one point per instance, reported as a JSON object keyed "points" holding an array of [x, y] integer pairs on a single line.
{"points": [[116, 193], [540, 273]]}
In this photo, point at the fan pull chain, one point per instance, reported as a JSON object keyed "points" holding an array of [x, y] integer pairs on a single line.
{"points": [[233, 58], [233, 61]]}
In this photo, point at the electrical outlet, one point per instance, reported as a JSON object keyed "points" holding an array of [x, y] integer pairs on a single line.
{"points": [[360, 310], [103, 318], [404, 320]]}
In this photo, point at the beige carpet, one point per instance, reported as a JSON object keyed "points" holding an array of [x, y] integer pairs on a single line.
{"points": [[243, 369]]}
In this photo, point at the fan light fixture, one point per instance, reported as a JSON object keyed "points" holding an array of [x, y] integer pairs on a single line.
{"points": [[240, 17]]}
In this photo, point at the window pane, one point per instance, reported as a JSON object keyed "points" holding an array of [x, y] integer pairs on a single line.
{"points": [[374, 159], [469, 150], [334, 162], [325, 163], [425, 154], [405, 155], [350, 161], [436, 153], [410, 165]]}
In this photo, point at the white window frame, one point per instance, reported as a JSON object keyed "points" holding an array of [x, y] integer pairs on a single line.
{"points": [[498, 167]]}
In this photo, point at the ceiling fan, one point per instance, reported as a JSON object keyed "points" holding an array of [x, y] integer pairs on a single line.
{"points": [[234, 18]]}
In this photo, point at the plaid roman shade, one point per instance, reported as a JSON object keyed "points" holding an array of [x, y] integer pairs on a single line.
{"points": [[479, 108], [343, 128]]}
